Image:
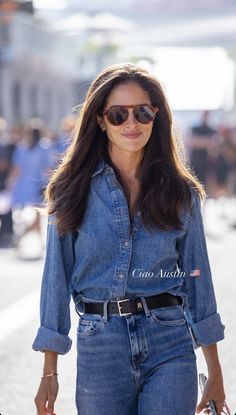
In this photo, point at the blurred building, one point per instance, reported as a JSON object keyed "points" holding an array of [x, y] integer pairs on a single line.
{"points": [[147, 26], [38, 70], [48, 58]]}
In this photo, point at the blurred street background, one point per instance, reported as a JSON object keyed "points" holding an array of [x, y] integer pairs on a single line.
{"points": [[50, 50]]}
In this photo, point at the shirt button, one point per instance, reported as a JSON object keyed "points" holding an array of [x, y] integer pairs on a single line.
{"points": [[121, 275], [126, 243]]}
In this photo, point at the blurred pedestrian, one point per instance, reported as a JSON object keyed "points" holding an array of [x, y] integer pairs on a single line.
{"points": [[59, 142], [6, 151], [29, 173], [226, 161], [126, 240], [67, 126], [201, 142]]}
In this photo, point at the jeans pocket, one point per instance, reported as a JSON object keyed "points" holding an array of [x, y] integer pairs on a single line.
{"points": [[168, 316], [89, 324]]}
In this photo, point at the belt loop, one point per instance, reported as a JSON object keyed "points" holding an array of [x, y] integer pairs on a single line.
{"points": [[105, 311], [147, 312]]}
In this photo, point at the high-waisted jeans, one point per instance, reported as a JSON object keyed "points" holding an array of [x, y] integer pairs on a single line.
{"points": [[142, 364]]}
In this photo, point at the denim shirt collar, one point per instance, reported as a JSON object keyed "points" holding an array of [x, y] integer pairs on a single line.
{"points": [[100, 166]]}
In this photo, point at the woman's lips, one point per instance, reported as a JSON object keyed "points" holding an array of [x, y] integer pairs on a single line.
{"points": [[131, 135]]}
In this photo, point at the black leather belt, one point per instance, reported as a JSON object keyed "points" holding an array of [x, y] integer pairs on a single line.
{"points": [[126, 306]]}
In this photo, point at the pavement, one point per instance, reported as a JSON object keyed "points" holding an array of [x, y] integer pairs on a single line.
{"points": [[20, 277]]}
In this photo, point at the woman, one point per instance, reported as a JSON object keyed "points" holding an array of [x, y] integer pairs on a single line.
{"points": [[125, 238]]}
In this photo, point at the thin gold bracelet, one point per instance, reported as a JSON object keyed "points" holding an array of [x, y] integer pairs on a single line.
{"points": [[49, 375]]}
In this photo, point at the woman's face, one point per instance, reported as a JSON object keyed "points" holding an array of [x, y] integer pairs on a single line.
{"points": [[131, 135]]}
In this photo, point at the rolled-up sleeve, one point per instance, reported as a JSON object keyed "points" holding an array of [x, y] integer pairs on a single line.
{"points": [[200, 302], [55, 298]]}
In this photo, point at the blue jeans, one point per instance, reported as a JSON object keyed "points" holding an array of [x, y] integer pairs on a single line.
{"points": [[141, 364]]}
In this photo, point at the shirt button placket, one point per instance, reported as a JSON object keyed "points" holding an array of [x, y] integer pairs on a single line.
{"points": [[123, 221]]}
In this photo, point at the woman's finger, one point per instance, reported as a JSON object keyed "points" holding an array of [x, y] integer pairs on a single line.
{"points": [[226, 409], [219, 406], [202, 405]]}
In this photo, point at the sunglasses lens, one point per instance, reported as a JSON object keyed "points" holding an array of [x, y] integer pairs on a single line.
{"points": [[144, 114], [117, 115]]}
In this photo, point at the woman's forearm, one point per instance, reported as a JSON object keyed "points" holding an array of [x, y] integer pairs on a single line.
{"points": [[212, 359], [50, 362]]}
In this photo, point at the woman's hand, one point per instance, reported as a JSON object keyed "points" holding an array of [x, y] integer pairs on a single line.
{"points": [[46, 395], [214, 390], [48, 388]]}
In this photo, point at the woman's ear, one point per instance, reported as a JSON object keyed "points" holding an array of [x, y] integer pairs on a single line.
{"points": [[100, 122]]}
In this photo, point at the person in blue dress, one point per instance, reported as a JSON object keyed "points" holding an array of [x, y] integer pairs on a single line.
{"points": [[30, 171], [126, 241]]}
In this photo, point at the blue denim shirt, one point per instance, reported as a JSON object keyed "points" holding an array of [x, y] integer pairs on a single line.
{"points": [[112, 257]]}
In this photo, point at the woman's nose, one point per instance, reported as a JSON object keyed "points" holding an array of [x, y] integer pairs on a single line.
{"points": [[131, 120]]}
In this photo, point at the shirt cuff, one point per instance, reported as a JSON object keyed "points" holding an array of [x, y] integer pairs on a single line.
{"points": [[208, 331], [47, 339]]}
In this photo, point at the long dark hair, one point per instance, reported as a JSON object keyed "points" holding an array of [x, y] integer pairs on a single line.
{"points": [[165, 178]]}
